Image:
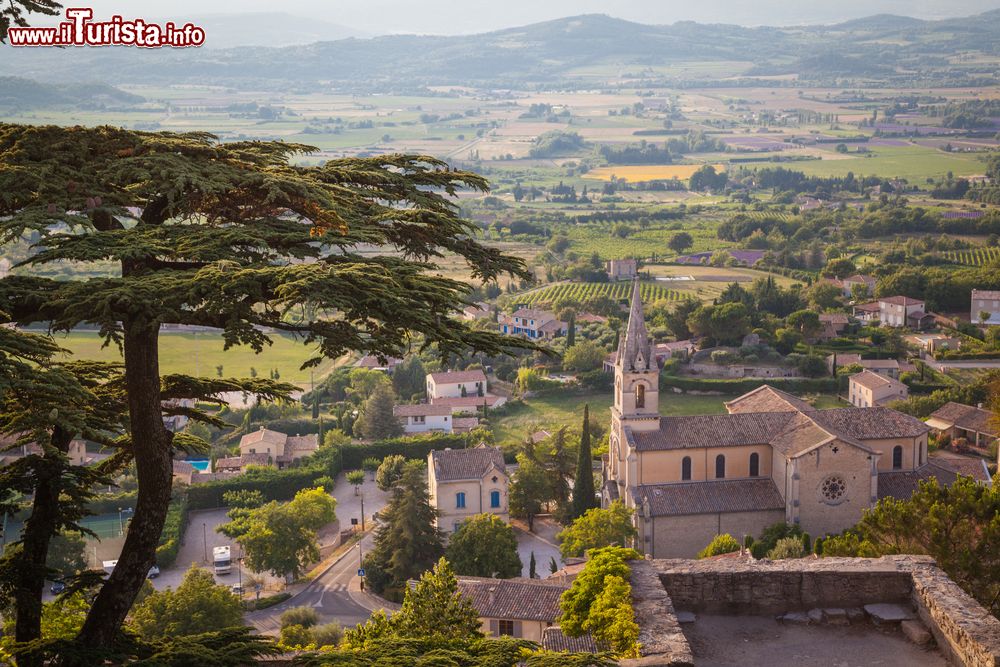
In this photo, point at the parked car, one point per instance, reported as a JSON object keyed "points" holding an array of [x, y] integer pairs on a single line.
{"points": [[57, 587], [154, 572], [236, 589]]}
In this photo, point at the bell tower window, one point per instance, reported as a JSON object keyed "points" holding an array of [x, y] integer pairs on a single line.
{"points": [[640, 396]]}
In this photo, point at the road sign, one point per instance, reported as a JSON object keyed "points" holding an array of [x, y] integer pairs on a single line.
{"points": [[361, 571]]}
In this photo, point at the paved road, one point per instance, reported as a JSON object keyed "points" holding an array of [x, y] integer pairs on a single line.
{"points": [[968, 363], [335, 595]]}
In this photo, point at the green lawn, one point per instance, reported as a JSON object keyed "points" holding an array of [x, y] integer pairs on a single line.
{"points": [[551, 411], [199, 354]]}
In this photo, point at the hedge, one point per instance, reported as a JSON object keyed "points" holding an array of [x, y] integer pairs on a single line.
{"points": [[272, 483], [414, 447], [743, 385], [173, 530], [106, 504], [265, 602], [957, 355]]}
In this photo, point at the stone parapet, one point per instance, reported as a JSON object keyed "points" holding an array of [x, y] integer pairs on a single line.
{"points": [[966, 632]]}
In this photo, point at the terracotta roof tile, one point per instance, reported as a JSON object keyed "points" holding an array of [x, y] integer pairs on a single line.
{"points": [[516, 599], [715, 430], [767, 399], [454, 464], [553, 639], [731, 495], [419, 409], [870, 423], [454, 377], [901, 484]]}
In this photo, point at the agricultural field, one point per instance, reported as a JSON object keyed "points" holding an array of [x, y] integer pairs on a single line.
{"points": [[911, 162], [200, 354], [972, 257], [549, 294], [641, 173]]}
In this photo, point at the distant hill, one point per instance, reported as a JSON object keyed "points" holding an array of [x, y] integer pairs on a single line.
{"points": [[890, 49], [27, 94], [268, 29]]}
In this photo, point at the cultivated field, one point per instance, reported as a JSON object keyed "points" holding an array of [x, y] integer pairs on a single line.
{"points": [[641, 173]]}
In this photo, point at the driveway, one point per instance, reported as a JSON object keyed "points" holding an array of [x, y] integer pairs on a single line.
{"points": [[542, 542]]}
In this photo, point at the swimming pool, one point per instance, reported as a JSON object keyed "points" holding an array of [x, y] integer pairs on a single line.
{"points": [[201, 465]]}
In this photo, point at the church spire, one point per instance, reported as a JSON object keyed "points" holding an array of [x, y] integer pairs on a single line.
{"points": [[635, 352]]}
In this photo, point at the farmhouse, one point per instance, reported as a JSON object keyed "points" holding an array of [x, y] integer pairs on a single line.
{"points": [[895, 311], [773, 458], [270, 448], [622, 269], [985, 302], [531, 323], [456, 384], [424, 417], [972, 423], [849, 284], [887, 367], [466, 482], [519, 607], [868, 390], [477, 311]]}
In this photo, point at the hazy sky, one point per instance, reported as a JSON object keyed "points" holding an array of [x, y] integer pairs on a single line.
{"points": [[469, 16]]}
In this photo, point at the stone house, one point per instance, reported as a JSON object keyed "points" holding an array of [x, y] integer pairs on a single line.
{"points": [[519, 607], [868, 390], [848, 284], [271, 448], [622, 269], [466, 482], [958, 420], [424, 417], [773, 458], [531, 323], [985, 301]]}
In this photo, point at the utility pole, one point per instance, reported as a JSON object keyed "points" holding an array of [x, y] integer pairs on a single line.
{"points": [[204, 537], [362, 512]]}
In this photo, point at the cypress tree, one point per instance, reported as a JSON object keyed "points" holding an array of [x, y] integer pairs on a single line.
{"points": [[531, 567], [583, 485]]}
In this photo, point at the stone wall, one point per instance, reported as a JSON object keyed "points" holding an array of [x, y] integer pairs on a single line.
{"points": [[964, 630], [737, 586]]}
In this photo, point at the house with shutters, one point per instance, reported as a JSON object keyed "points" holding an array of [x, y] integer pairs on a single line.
{"points": [[773, 458], [531, 323], [519, 607], [466, 482]]}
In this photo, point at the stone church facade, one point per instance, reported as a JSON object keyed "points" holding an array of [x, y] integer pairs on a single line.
{"points": [[772, 458]]}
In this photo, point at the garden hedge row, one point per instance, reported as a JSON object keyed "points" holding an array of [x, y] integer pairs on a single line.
{"points": [[173, 530], [743, 385], [413, 447]]}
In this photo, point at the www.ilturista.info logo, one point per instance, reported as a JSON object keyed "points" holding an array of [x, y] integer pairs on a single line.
{"points": [[80, 30]]}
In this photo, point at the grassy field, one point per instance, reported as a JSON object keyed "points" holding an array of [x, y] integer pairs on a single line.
{"points": [[200, 354], [913, 163], [597, 237]]}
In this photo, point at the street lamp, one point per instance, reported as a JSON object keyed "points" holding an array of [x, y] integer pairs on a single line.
{"points": [[121, 522], [239, 568], [362, 511]]}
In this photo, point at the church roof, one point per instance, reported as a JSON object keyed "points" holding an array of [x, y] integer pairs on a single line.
{"points": [[713, 430], [790, 432], [730, 495], [767, 399], [635, 351]]}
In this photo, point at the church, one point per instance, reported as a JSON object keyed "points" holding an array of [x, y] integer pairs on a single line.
{"points": [[772, 458]]}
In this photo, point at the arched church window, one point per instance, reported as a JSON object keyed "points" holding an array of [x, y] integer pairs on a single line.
{"points": [[686, 468], [720, 467], [897, 457], [640, 395], [754, 465]]}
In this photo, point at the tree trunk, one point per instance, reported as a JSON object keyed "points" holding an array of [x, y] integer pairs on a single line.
{"points": [[38, 531], [154, 468]]}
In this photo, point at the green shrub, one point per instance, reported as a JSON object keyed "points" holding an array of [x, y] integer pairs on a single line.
{"points": [[328, 634], [173, 530], [267, 601], [720, 544], [787, 547], [272, 483], [739, 386], [304, 616]]}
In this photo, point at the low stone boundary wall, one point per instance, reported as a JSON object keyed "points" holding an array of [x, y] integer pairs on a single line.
{"points": [[965, 632], [736, 586]]}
